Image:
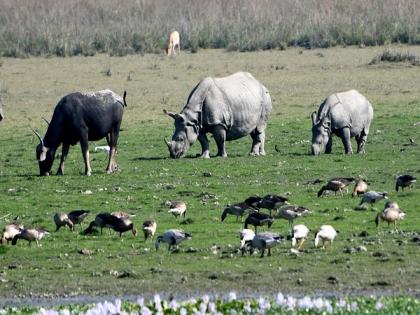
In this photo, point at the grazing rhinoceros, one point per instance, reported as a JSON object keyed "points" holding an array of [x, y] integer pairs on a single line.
{"points": [[229, 108], [347, 114]]}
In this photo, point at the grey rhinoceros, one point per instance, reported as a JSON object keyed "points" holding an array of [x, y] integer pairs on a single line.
{"points": [[229, 108], [347, 114]]}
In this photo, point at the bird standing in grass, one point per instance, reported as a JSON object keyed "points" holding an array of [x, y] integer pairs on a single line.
{"points": [[246, 235], [149, 229], [373, 196], [404, 181], [391, 214], [326, 234], [262, 241], [30, 235], [258, 219], [77, 216], [10, 231], [335, 185], [270, 202], [119, 225], [172, 237], [290, 212], [299, 235], [359, 188], [62, 219], [238, 209], [177, 208]]}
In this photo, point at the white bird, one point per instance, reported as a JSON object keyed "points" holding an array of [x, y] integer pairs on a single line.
{"points": [[262, 241], [172, 237], [10, 231], [246, 235], [149, 229], [373, 196], [325, 234], [299, 235], [177, 208], [30, 235]]}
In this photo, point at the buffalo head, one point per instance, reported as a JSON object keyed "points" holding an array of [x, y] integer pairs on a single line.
{"points": [[45, 156], [321, 131], [186, 132]]}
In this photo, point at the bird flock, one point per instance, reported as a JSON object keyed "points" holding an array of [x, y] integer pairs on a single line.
{"points": [[260, 212]]}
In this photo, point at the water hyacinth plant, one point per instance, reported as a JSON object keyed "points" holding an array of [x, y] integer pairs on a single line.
{"points": [[231, 304]]}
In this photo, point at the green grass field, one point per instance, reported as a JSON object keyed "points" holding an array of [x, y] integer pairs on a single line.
{"points": [[298, 81]]}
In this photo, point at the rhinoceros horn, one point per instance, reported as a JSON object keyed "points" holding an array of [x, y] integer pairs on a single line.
{"points": [[167, 142], [39, 137], [313, 118]]}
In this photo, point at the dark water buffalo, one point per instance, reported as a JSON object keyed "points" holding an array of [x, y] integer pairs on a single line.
{"points": [[347, 115], [82, 117], [229, 108]]}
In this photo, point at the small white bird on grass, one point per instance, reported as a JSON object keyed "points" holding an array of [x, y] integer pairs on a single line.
{"points": [[172, 237], [326, 234], [246, 235], [299, 235], [391, 214], [373, 196]]}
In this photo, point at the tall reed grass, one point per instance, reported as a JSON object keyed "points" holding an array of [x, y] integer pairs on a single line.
{"points": [[85, 27]]}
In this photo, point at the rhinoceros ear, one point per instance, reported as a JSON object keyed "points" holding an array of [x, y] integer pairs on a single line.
{"points": [[170, 114], [313, 118]]}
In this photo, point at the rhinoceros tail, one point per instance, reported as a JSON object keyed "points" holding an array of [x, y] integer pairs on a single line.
{"points": [[125, 94]]}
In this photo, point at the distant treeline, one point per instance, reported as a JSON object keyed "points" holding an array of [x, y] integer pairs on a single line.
{"points": [[120, 27]]}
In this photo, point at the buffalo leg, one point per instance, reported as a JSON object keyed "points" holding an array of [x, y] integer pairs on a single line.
{"points": [[65, 151], [219, 134], [328, 148], [85, 151], [112, 142], [205, 153], [345, 137]]}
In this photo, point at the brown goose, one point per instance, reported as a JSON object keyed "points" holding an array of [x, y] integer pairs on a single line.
{"points": [[177, 208], [62, 219], [30, 235], [336, 185], [391, 214], [10, 231], [359, 188], [149, 229], [290, 212]]}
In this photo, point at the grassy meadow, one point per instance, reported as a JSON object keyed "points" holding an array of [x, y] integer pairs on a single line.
{"points": [[298, 81]]}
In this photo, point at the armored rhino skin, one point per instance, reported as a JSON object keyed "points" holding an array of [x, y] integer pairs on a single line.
{"points": [[229, 108], [347, 115]]}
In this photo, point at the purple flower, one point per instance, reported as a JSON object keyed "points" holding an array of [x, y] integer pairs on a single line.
{"points": [[232, 296], [341, 303], [305, 303], [157, 300], [140, 301], [145, 311], [379, 305], [183, 311], [173, 305], [212, 307], [280, 299]]}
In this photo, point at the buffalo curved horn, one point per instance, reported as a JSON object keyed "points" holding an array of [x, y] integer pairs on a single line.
{"points": [[48, 123], [167, 142], [39, 136]]}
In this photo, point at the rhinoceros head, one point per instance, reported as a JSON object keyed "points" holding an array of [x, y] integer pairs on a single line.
{"points": [[186, 132], [321, 131], [45, 156]]}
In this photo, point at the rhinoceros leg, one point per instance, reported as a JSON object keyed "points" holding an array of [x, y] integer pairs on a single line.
{"points": [[361, 140], [257, 143], [64, 153], [345, 137], [205, 153], [219, 134]]}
